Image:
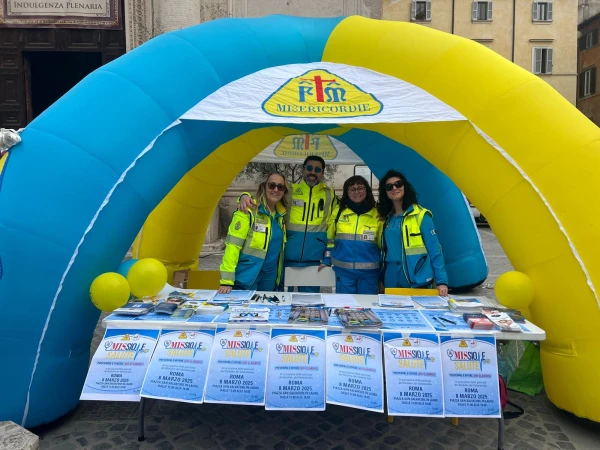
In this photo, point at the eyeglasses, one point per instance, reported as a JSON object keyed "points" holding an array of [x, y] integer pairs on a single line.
{"points": [[357, 190], [315, 169], [397, 184], [279, 187]]}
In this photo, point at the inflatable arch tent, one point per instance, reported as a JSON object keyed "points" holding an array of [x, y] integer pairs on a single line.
{"points": [[89, 171]]}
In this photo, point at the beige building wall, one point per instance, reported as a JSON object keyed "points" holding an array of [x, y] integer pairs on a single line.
{"points": [[560, 34]]}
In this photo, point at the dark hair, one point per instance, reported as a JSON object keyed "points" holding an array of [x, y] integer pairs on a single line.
{"points": [[385, 205], [314, 158], [357, 179]]}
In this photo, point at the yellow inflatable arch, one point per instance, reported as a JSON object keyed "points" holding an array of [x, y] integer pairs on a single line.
{"points": [[534, 184], [513, 145]]}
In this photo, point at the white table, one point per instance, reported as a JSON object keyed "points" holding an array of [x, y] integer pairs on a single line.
{"points": [[366, 301]]}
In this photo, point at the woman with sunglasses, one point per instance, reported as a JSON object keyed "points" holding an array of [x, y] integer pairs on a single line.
{"points": [[255, 241], [353, 234], [411, 253]]}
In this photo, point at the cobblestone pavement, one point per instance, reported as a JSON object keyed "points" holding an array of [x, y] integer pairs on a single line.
{"points": [[171, 425]]}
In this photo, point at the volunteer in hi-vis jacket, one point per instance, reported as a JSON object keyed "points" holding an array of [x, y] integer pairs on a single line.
{"points": [[411, 253], [255, 241], [354, 237], [310, 205]]}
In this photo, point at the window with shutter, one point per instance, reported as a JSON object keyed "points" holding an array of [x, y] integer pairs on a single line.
{"points": [[582, 85], [594, 37], [482, 11], [421, 10], [541, 11], [542, 60], [593, 81]]}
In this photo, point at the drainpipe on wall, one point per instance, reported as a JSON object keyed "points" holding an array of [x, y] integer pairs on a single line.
{"points": [[453, 16], [513, 28]]}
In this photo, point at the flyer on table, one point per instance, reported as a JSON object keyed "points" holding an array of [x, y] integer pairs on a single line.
{"points": [[470, 376], [238, 366], [179, 366], [296, 375], [119, 365], [355, 369], [413, 373]]}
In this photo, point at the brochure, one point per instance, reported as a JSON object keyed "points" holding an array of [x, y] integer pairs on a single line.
{"points": [[395, 301]]}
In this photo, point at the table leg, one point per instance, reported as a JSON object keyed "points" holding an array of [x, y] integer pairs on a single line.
{"points": [[141, 420], [454, 421], [501, 432]]}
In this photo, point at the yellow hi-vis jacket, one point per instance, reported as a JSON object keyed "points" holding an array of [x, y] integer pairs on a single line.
{"points": [[354, 242], [307, 220], [246, 246]]}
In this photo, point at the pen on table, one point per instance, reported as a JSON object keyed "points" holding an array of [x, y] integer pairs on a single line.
{"points": [[439, 321], [447, 320]]}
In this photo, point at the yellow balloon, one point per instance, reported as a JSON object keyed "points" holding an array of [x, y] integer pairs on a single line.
{"points": [[109, 291], [147, 277], [514, 290]]}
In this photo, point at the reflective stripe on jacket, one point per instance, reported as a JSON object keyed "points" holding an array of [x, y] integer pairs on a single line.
{"points": [[423, 261], [353, 243], [246, 246], [306, 222]]}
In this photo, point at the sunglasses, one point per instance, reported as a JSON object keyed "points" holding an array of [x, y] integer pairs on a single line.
{"points": [[397, 184], [315, 169], [279, 187]]}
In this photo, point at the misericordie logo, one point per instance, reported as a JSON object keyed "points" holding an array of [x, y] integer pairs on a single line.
{"points": [[321, 94]]}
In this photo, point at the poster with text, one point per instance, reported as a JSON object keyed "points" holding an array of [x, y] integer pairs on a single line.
{"points": [[355, 369], [179, 366], [413, 374], [470, 376], [296, 375], [119, 365], [238, 366]]}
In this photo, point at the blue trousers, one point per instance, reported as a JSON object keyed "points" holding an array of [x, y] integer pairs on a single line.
{"points": [[347, 285]]}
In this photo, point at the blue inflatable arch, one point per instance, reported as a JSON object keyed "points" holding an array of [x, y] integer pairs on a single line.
{"points": [[78, 188]]}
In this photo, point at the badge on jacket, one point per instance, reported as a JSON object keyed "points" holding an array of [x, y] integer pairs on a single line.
{"points": [[297, 202], [260, 227], [238, 225]]}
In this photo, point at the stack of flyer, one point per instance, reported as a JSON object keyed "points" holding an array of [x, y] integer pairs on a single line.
{"points": [[502, 320], [395, 301], [241, 314], [233, 298], [431, 302], [465, 305], [307, 300]]}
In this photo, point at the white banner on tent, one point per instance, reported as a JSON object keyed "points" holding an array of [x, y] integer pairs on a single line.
{"points": [[295, 148], [321, 93]]}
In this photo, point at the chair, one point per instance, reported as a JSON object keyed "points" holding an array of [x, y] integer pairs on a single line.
{"points": [[309, 276]]}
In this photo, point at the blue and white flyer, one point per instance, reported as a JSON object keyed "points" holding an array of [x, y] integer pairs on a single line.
{"points": [[413, 374], [119, 365], [179, 366], [355, 369], [470, 376], [296, 375], [238, 366]]}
